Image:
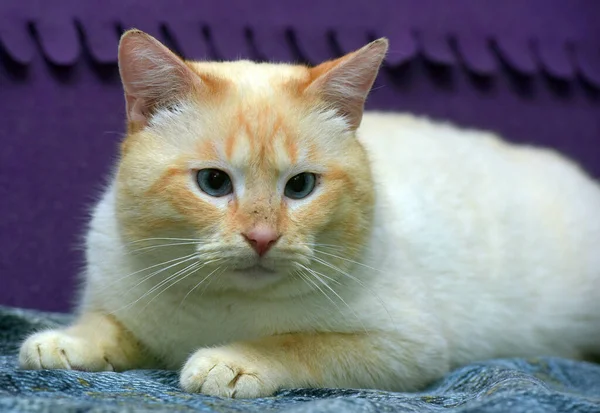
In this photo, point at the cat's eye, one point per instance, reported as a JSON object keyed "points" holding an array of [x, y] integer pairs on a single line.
{"points": [[214, 182], [300, 186]]}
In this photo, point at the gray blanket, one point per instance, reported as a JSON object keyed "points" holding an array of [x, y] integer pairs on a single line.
{"points": [[514, 385]]}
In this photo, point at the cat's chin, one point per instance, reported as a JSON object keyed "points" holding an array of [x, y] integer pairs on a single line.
{"points": [[255, 271], [253, 278]]}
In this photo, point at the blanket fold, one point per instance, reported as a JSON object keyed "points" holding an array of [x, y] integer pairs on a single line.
{"points": [[507, 385]]}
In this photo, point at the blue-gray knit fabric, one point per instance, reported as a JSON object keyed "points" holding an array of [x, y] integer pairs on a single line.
{"points": [[511, 385]]}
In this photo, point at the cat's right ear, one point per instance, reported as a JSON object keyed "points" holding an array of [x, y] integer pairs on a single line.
{"points": [[152, 76]]}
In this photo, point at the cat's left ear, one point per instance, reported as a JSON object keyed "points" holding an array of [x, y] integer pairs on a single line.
{"points": [[344, 83]]}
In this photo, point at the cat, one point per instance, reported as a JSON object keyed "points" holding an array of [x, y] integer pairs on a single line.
{"points": [[262, 231]]}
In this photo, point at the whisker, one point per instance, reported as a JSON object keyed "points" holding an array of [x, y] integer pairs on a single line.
{"points": [[319, 288], [196, 286], [330, 246], [359, 282], [182, 276], [317, 276], [347, 259], [333, 280], [158, 285], [151, 247], [147, 277], [169, 278], [216, 275], [308, 279], [164, 239], [146, 269], [112, 132]]}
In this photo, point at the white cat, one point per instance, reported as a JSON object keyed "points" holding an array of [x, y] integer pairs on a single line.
{"points": [[261, 233]]}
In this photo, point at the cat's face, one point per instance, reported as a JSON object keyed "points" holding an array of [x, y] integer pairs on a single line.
{"points": [[259, 177]]}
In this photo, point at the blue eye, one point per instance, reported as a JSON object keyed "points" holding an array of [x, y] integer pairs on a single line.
{"points": [[300, 186], [214, 182]]}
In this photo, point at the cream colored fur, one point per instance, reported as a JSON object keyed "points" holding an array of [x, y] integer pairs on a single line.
{"points": [[475, 249]]}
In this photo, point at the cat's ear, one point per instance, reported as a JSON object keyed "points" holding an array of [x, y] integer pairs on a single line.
{"points": [[152, 75], [345, 82]]}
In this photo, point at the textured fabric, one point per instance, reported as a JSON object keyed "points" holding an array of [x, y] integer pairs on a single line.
{"points": [[513, 386], [529, 69], [559, 37]]}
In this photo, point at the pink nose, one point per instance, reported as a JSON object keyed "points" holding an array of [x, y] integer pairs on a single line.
{"points": [[261, 239]]}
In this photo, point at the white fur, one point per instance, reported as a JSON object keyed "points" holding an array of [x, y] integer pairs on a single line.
{"points": [[479, 250], [464, 234]]}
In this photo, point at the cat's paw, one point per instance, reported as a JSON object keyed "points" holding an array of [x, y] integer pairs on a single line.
{"points": [[57, 350], [227, 372]]}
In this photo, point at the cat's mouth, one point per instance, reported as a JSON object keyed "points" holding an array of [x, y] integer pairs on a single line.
{"points": [[255, 270]]}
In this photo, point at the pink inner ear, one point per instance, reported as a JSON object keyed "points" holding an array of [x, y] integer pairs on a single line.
{"points": [[346, 82], [151, 74], [135, 109]]}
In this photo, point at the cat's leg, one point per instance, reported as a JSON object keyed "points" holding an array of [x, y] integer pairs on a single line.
{"points": [[95, 342], [259, 368]]}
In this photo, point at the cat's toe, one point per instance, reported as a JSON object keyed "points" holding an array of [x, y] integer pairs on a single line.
{"points": [[58, 350], [221, 374]]}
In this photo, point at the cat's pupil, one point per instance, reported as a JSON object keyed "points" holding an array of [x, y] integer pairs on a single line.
{"points": [[298, 183], [216, 179]]}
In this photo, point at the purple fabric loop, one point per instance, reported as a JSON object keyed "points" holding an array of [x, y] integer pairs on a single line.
{"points": [[349, 39], [562, 38], [314, 44], [59, 40], [476, 54], [14, 33], [272, 44], [403, 47], [230, 43], [101, 38], [17, 42], [555, 59], [190, 40], [436, 48], [588, 61], [517, 54]]}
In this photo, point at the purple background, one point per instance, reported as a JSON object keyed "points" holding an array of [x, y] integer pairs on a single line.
{"points": [[527, 69]]}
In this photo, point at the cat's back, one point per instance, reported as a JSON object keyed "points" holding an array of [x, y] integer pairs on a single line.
{"points": [[469, 177], [403, 147], [477, 220]]}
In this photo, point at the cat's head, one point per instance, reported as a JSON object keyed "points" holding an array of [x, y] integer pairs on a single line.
{"points": [[253, 167]]}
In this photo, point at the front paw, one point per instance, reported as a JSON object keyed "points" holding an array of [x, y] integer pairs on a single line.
{"points": [[58, 350], [226, 372]]}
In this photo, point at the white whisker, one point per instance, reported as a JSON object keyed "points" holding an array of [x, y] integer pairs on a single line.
{"points": [[152, 247], [359, 282], [308, 279], [164, 239], [180, 276], [318, 275], [147, 277], [197, 285], [329, 246], [166, 280], [210, 280], [145, 269], [346, 259]]}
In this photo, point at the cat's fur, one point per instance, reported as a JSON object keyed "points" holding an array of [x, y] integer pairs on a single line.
{"points": [[423, 247]]}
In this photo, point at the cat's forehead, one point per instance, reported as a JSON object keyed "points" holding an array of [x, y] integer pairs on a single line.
{"points": [[262, 136], [253, 77], [260, 124]]}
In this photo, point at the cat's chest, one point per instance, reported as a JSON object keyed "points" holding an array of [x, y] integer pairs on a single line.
{"points": [[173, 332]]}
